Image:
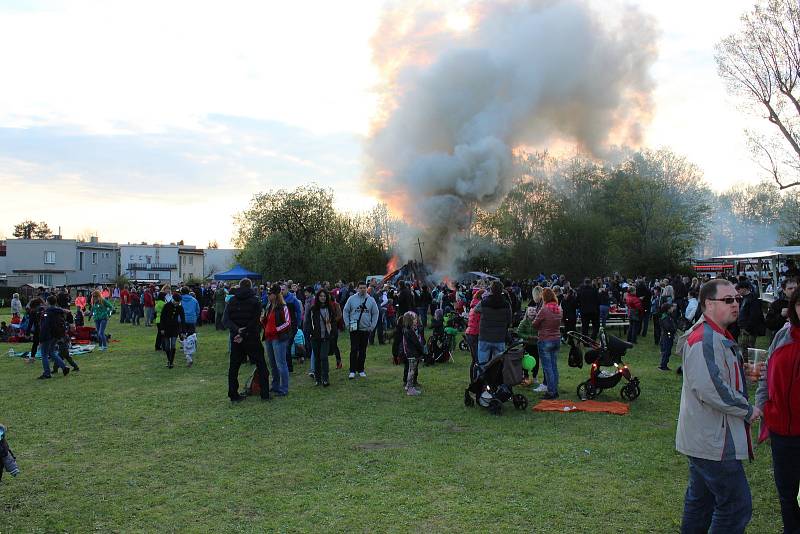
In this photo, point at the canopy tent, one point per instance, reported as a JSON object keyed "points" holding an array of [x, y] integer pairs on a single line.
{"points": [[237, 273]]}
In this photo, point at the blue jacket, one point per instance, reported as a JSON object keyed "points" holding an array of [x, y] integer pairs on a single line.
{"points": [[296, 309], [191, 308]]}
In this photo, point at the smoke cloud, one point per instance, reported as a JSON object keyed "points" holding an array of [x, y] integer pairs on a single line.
{"points": [[457, 103]]}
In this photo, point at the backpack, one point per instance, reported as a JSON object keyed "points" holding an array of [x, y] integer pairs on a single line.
{"points": [[56, 326]]}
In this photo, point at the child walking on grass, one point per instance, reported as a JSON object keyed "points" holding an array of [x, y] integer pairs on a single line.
{"points": [[413, 352]]}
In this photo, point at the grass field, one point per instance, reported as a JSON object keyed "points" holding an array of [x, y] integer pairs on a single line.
{"points": [[128, 445]]}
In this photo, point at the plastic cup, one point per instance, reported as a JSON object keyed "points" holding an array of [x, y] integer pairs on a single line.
{"points": [[754, 355]]}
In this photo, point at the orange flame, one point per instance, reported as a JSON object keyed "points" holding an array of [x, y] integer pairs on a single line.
{"points": [[448, 282], [393, 264]]}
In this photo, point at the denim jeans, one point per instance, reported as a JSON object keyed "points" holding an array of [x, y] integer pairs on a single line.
{"points": [[148, 316], [604, 314], [718, 497], [276, 349], [49, 351], [786, 466], [548, 356], [488, 350], [101, 332], [666, 350], [633, 330]]}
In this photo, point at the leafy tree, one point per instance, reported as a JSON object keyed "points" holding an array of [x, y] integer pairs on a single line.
{"points": [[213, 244], [32, 230]]}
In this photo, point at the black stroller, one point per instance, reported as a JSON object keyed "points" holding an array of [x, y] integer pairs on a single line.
{"points": [[608, 351], [492, 386]]}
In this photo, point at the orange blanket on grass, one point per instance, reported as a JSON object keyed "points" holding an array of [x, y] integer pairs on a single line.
{"points": [[558, 405]]}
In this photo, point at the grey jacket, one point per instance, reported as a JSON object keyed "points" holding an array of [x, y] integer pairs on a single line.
{"points": [[782, 337], [714, 417], [352, 310]]}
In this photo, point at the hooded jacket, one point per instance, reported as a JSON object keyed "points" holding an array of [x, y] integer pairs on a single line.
{"points": [[548, 322], [714, 417], [191, 308], [352, 311], [474, 319]]}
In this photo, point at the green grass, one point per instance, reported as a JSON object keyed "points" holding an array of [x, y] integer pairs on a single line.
{"points": [[127, 445]]}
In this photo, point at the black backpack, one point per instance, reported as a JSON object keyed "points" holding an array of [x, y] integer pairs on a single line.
{"points": [[56, 323]]}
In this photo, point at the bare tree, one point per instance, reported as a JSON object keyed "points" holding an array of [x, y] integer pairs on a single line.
{"points": [[761, 64]]}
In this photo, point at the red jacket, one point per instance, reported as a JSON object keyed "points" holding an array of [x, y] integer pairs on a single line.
{"points": [[149, 302], [474, 320], [782, 408], [272, 329]]}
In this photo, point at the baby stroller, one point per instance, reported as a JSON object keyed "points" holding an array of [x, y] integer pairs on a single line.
{"points": [[440, 347], [608, 351], [491, 386]]}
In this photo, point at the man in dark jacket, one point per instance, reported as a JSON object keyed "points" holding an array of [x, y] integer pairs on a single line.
{"points": [[242, 318], [751, 319], [296, 309], [589, 304], [778, 310], [644, 294], [495, 311], [53, 328]]}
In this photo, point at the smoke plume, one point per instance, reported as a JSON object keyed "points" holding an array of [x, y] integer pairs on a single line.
{"points": [[457, 103]]}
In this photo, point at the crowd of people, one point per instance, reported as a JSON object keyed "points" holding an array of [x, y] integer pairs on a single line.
{"points": [[713, 321]]}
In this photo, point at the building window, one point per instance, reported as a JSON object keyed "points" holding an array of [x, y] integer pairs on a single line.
{"points": [[191, 260], [131, 257], [49, 257], [140, 258], [152, 276], [46, 279], [80, 261], [94, 278], [94, 258]]}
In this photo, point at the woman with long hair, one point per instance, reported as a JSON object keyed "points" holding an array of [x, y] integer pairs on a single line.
{"points": [[277, 324], [548, 325], [319, 324], [170, 323], [101, 311]]}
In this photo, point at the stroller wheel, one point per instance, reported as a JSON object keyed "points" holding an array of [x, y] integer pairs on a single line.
{"points": [[520, 401], [587, 391], [495, 407], [630, 392], [468, 401], [463, 346]]}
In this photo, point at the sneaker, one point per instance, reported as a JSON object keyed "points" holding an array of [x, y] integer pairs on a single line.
{"points": [[351, 376], [310, 374], [541, 388], [325, 383], [362, 374], [43, 377], [412, 392], [550, 396], [317, 383], [189, 363], [238, 398], [664, 368]]}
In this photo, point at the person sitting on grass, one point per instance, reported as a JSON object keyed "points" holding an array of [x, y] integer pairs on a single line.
{"points": [[668, 330], [412, 350]]}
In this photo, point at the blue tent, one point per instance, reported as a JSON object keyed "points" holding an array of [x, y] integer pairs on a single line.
{"points": [[237, 273]]}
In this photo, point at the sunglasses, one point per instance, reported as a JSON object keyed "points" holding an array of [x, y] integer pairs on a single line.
{"points": [[729, 300]]}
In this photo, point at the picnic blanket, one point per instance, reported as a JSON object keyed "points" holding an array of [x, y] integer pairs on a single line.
{"points": [[564, 405], [73, 351]]}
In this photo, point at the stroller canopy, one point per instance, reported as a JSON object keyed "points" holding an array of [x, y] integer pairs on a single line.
{"points": [[237, 273]]}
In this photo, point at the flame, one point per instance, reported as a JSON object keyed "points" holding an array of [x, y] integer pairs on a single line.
{"points": [[449, 283], [393, 264]]}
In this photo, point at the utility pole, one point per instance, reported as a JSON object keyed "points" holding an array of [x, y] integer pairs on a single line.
{"points": [[419, 244]]}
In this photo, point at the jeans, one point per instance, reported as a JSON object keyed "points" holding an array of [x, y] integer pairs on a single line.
{"points": [[548, 355], [49, 351], [321, 347], [423, 316], [358, 350], [276, 350], [717, 498], [633, 330], [666, 349], [604, 314], [101, 332], [645, 323], [148, 316], [488, 350], [786, 466]]}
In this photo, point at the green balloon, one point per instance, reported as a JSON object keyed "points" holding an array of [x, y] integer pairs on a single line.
{"points": [[528, 362]]}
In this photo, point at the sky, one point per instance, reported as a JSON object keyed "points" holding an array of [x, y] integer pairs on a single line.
{"points": [[158, 121]]}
